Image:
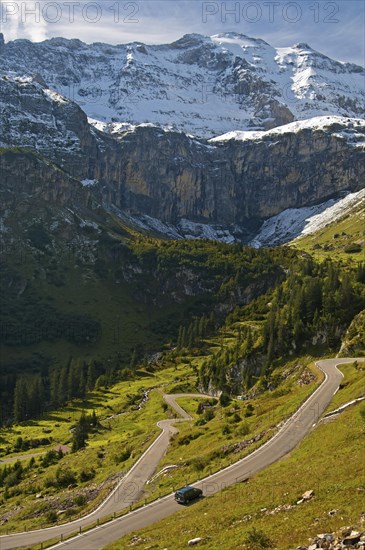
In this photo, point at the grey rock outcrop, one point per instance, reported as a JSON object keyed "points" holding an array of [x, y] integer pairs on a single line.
{"points": [[170, 176]]}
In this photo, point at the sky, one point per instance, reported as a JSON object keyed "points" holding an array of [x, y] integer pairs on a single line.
{"points": [[336, 28]]}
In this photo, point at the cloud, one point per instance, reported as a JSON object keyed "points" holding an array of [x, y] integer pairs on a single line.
{"points": [[23, 19]]}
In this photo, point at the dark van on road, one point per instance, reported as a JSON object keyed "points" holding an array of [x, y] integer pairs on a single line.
{"points": [[186, 494]]}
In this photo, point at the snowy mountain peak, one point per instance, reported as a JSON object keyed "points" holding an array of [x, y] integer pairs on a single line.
{"points": [[239, 37], [222, 188], [190, 41], [250, 84], [59, 41], [303, 46]]}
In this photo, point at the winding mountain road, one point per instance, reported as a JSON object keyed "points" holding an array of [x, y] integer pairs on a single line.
{"points": [[16, 458], [130, 488]]}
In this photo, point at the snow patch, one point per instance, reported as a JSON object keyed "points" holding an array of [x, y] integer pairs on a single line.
{"points": [[295, 222], [88, 223], [88, 183], [55, 96], [184, 229], [353, 128], [192, 230]]}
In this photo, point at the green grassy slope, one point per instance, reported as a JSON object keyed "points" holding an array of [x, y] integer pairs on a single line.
{"points": [[329, 461], [335, 239]]}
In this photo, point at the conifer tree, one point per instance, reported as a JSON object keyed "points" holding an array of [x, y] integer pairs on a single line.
{"points": [[55, 388], [133, 361], [190, 337], [63, 385], [184, 341], [94, 420], [36, 396], [201, 328], [82, 381], [180, 338], [90, 377], [72, 385], [360, 273], [80, 433], [20, 400]]}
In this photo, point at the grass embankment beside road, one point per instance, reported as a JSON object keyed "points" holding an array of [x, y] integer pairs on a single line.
{"points": [[352, 387]]}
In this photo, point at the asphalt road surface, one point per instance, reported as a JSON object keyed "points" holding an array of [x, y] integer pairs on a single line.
{"points": [[16, 458], [130, 488]]}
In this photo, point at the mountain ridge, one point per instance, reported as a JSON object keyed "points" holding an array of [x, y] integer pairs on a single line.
{"points": [[184, 84]]}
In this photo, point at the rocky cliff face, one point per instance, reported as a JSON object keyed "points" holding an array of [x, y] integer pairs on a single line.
{"points": [[26, 175], [38, 118], [170, 176], [234, 181], [353, 343]]}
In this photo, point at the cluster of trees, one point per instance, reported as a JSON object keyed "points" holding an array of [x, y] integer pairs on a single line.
{"points": [[315, 304], [217, 270], [65, 476], [34, 393], [27, 389], [51, 457], [26, 444], [11, 475], [29, 397], [195, 332], [85, 425], [214, 256], [26, 319], [315, 299], [45, 323], [218, 368], [360, 273], [73, 380]]}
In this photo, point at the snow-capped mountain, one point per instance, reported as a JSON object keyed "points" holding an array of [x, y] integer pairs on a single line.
{"points": [[68, 105], [203, 86]]}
